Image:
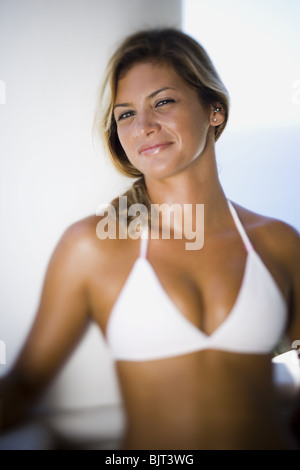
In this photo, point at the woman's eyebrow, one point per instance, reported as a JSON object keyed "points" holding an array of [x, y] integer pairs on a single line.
{"points": [[152, 95], [159, 91]]}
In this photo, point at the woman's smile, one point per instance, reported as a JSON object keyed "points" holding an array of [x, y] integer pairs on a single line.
{"points": [[154, 148]]}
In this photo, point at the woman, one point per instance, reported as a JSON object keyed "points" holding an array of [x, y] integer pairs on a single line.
{"points": [[192, 330]]}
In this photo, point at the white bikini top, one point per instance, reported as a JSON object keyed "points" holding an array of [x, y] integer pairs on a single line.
{"points": [[145, 324]]}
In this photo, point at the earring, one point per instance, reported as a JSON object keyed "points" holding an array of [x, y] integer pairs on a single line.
{"points": [[216, 111]]}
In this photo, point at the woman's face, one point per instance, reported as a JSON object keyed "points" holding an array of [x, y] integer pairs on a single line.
{"points": [[161, 124]]}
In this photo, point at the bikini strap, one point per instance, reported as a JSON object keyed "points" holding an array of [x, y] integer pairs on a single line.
{"points": [[144, 242], [247, 243]]}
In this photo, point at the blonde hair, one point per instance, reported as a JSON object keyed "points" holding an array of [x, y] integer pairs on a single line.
{"points": [[191, 62]]}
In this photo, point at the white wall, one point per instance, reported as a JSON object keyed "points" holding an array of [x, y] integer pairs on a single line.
{"points": [[52, 58], [255, 46]]}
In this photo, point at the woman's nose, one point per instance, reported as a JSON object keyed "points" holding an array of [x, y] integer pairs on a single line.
{"points": [[145, 124]]}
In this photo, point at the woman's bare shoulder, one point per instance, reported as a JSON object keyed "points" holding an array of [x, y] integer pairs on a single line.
{"points": [[87, 236], [279, 236], [81, 231], [75, 241]]}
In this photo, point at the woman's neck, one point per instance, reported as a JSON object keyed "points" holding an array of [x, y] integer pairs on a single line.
{"points": [[197, 184]]}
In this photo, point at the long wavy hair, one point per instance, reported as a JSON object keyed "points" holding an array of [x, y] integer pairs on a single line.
{"points": [[188, 58]]}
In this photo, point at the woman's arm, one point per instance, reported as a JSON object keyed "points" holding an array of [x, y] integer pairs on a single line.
{"points": [[62, 316], [293, 264]]}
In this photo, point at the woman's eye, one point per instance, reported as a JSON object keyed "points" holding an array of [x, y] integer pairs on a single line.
{"points": [[125, 115], [163, 102]]}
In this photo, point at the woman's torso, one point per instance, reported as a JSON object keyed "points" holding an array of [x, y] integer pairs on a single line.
{"points": [[204, 400], [207, 398]]}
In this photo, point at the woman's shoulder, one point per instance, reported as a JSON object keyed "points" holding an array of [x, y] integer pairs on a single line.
{"points": [[95, 235], [79, 235], [276, 235], [81, 230], [264, 223]]}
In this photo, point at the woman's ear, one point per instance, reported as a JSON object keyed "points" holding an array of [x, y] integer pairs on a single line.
{"points": [[217, 115]]}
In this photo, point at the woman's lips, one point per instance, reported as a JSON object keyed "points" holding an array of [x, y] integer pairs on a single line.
{"points": [[154, 149]]}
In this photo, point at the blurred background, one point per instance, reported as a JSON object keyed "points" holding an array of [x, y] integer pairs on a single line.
{"points": [[53, 170], [255, 46]]}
